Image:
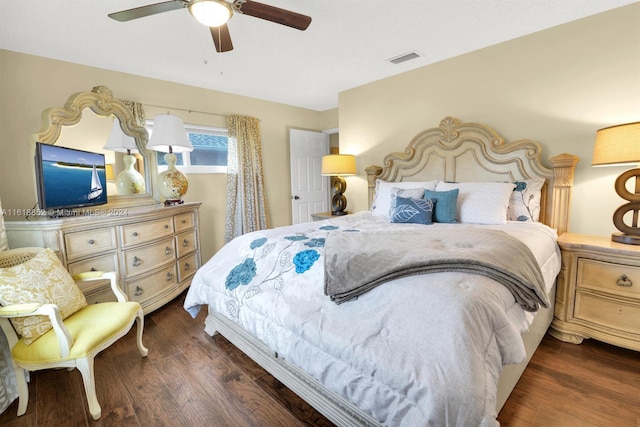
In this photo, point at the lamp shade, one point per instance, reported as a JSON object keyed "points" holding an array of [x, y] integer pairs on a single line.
{"points": [[119, 141], [338, 165], [211, 13], [169, 135], [617, 145]]}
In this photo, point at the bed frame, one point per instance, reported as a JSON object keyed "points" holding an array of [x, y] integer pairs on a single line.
{"points": [[454, 151]]}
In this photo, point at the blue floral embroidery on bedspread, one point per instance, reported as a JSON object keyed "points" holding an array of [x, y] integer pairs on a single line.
{"points": [[244, 282]]}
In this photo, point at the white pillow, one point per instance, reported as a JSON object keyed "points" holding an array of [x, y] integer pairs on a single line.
{"points": [[382, 199], [524, 204], [481, 202]]}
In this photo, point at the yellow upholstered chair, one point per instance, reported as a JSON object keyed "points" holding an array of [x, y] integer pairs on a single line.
{"points": [[48, 323]]}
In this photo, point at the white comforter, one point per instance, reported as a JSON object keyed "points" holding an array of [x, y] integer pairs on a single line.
{"points": [[425, 350]]}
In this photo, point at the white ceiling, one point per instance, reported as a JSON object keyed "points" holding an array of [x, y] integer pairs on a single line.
{"points": [[347, 44]]}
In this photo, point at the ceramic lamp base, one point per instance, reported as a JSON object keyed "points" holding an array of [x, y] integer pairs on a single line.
{"points": [[172, 184], [130, 181]]}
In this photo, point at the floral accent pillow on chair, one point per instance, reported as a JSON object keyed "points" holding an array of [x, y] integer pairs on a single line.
{"points": [[41, 279]]}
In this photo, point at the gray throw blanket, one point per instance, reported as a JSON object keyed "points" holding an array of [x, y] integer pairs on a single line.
{"points": [[359, 261]]}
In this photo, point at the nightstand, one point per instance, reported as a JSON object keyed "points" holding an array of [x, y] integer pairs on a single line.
{"points": [[598, 291], [324, 215]]}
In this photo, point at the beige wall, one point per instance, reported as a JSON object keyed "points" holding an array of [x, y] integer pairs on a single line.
{"points": [[557, 87], [30, 84]]}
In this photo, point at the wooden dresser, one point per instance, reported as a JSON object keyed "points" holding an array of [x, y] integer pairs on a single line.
{"points": [[598, 292], [154, 249]]}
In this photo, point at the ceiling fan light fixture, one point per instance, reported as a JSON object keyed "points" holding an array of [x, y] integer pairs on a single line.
{"points": [[211, 13]]}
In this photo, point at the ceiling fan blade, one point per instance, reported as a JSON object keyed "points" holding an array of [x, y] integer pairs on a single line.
{"points": [[221, 38], [151, 9], [273, 14]]}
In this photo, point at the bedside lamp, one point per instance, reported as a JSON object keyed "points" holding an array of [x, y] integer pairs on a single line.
{"points": [[129, 181], [337, 166], [618, 146], [169, 136]]}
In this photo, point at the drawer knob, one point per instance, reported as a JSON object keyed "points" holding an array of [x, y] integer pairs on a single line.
{"points": [[185, 243], [91, 242], [135, 234], [93, 269], [139, 291], [166, 226], [624, 281], [184, 221], [136, 261], [187, 266], [169, 277], [168, 250]]}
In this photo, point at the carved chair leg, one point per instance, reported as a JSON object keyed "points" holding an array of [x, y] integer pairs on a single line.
{"points": [[140, 328], [85, 366], [23, 389]]}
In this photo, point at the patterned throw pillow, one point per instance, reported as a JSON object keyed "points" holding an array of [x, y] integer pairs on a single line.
{"points": [[382, 199], [41, 279], [446, 204], [524, 204], [410, 210], [412, 193]]}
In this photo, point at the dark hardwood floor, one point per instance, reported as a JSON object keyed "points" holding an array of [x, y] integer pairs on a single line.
{"points": [[191, 379]]}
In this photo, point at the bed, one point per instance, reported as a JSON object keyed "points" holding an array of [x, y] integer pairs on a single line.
{"points": [[441, 342]]}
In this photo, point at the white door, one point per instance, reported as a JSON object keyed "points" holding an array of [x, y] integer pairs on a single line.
{"points": [[309, 190]]}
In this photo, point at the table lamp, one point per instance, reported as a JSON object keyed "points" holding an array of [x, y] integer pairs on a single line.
{"points": [[618, 146], [169, 136], [129, 181], [337, 166]]}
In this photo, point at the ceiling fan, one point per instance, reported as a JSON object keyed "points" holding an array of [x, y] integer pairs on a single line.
{"points": [[216, 13]]}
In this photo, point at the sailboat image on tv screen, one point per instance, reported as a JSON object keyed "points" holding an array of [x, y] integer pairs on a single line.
{"points": [[96, 186]]}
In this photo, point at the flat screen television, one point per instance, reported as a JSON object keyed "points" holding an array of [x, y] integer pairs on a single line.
{"points": [[68, 178]]}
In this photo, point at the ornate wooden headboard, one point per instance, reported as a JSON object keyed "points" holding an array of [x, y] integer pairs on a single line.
{"points": [[457, 151]]}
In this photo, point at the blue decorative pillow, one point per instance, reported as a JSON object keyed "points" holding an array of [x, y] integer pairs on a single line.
{"points": [[410, 210], [415, 211], [446, 206]]}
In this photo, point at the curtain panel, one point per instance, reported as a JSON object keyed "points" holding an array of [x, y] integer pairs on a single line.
{"points": [[246, 202]]}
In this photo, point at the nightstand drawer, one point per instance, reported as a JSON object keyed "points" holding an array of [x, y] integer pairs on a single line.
{"points": [[147, 258], [608, 312], [605, 276], [89, 242]]}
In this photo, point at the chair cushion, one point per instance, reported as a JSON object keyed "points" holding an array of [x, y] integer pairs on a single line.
{"points": [[41, 279], [91, 328]]}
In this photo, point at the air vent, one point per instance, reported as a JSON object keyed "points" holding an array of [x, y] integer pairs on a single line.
{"points": [[404, 57]]}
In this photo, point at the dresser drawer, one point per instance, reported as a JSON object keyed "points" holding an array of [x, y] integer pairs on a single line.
{"points": [[605, 276], [187, 267], [89, 242], [144, 232], [107, 262], [608, 312], [183, 221], [185, 243], [146, 258], [144, 289]]}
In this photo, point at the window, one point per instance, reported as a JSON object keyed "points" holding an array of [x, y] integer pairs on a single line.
{"points": [[209, 153]]}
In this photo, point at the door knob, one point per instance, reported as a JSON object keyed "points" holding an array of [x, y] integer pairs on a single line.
{"points": [[296, 198]]}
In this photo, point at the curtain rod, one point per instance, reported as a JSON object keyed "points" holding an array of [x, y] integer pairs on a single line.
{"points": [[184, 109]]}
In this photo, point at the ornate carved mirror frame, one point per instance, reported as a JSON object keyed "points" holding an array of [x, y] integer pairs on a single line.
{"points": [[101, 101]]}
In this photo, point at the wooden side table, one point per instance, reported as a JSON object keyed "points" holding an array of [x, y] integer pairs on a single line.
{"points": [[324, 215], [598, 292]]}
